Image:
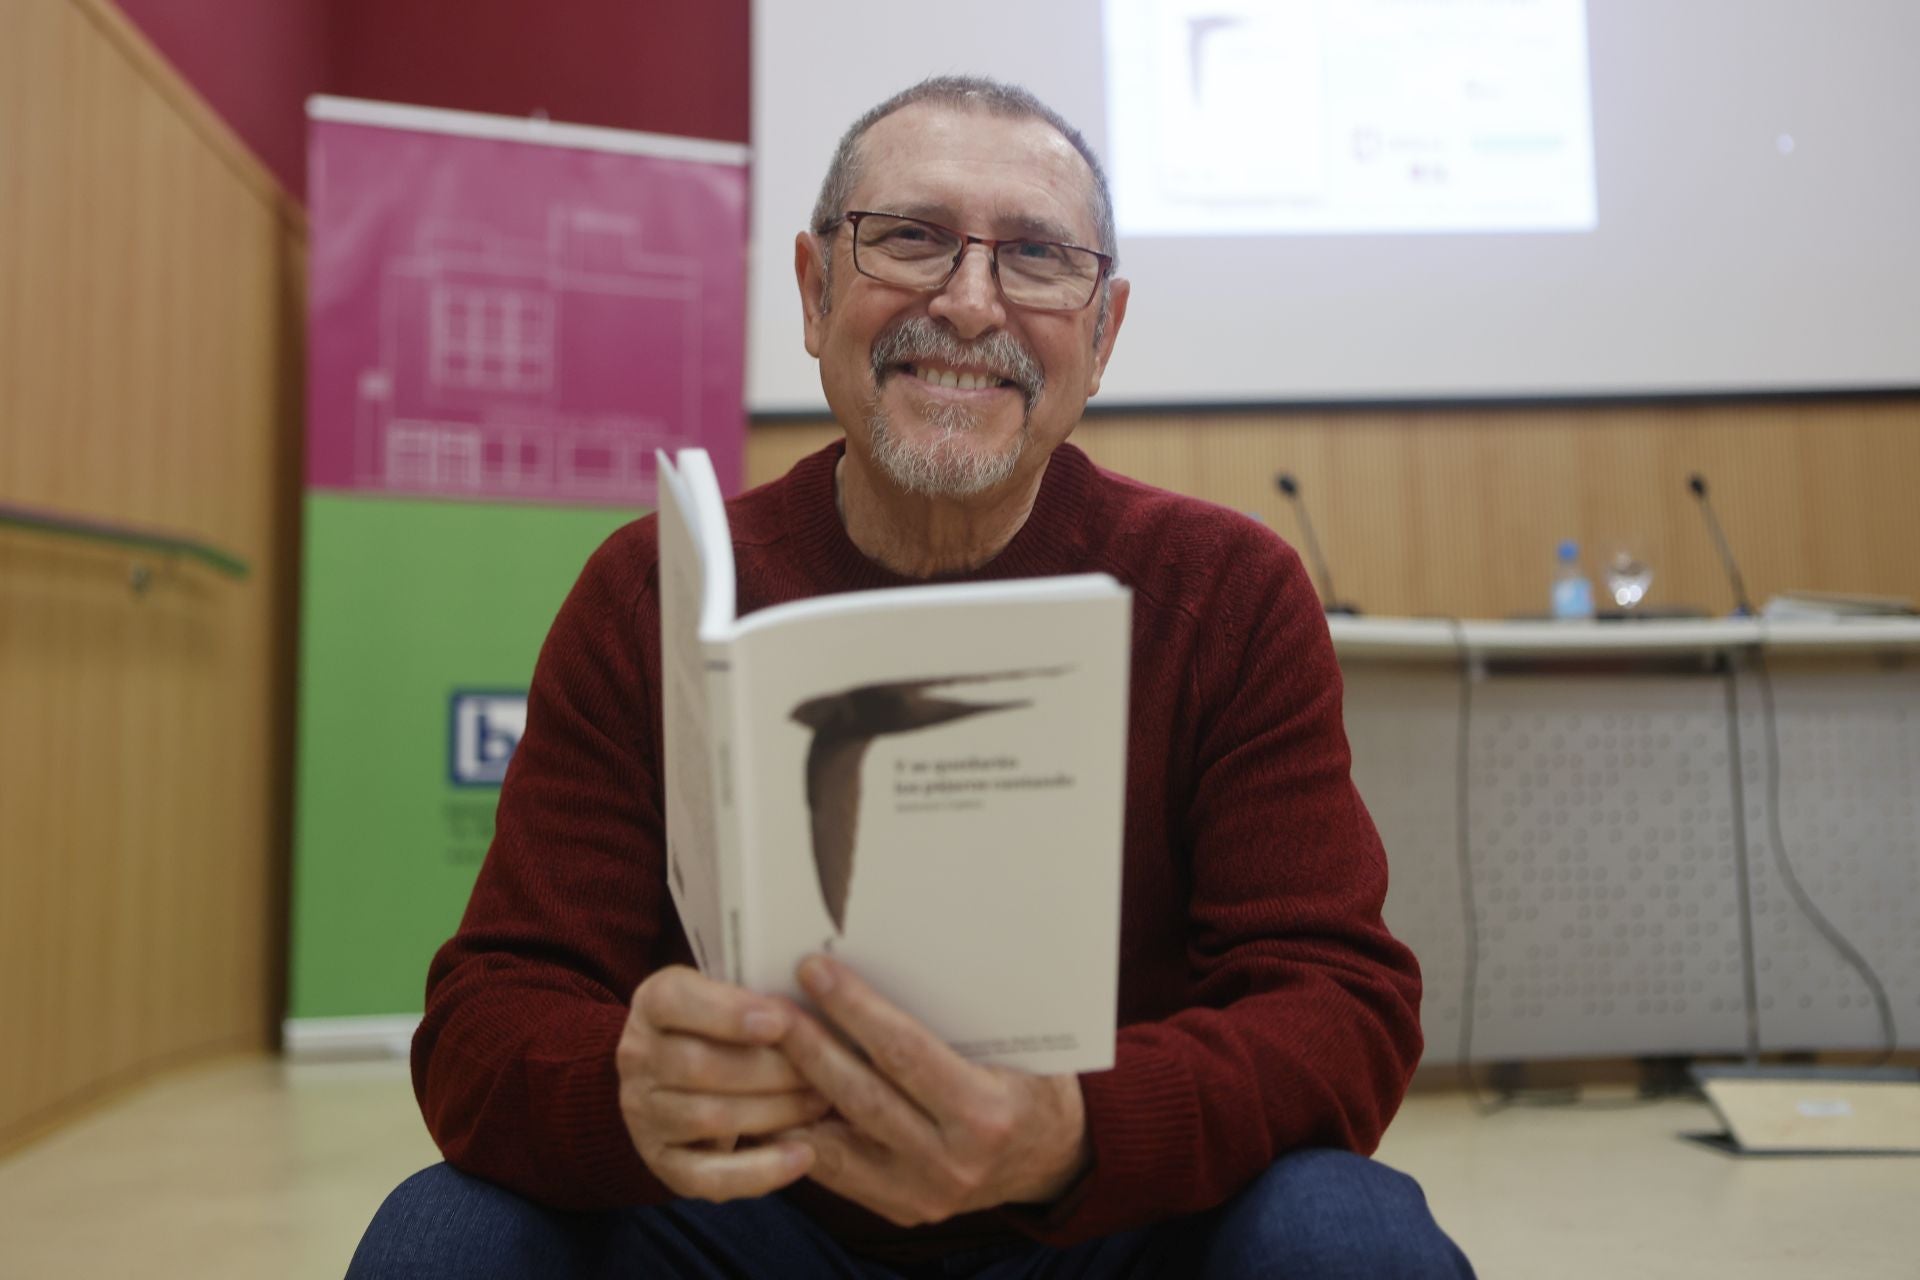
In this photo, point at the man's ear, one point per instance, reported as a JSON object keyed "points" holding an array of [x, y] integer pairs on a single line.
{"points": [[1118, 291], [809, 269]]}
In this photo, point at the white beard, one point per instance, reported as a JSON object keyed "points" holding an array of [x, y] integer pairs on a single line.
{"points": [[950, 465]]}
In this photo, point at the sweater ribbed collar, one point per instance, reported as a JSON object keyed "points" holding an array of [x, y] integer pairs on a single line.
{"points": [[1051, 542]]}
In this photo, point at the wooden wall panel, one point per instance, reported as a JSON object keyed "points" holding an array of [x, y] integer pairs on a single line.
{"points": [[150, 367], [1458, 511]]}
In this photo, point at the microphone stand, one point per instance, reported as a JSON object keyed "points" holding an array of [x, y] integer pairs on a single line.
{"points": [[1836, 1080], [1331, 602], [1742, 605]]}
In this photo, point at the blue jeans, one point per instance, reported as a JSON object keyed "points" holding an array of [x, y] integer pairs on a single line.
{"points": [[1327, 1215]]}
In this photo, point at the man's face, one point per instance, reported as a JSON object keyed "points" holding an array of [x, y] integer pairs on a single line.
{"points": [[886, 352]]}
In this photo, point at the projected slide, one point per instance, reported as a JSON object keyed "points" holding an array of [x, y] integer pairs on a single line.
{"points": [[1257, 117]]}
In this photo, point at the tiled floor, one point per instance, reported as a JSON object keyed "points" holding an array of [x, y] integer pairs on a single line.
{"points": [[254, 1169]]}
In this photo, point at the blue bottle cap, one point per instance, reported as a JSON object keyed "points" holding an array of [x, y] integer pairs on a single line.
{"points": [[1569, 549]]}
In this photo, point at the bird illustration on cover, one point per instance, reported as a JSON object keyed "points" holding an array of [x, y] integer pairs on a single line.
{"points": [[844, 725]]}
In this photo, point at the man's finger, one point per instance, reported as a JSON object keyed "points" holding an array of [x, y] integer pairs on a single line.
{"points": [[734, 1175], [857, 1091], [682, 999], [679, 1118], [842, 1162], [855, 1169], [919, 1063], [700, 1065]]}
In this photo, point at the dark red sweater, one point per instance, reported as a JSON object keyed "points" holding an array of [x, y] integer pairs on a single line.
{"points": [[1263, 1004]]}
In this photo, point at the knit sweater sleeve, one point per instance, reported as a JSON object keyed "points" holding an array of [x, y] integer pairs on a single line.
{"points": [[1304, 1026], [513, 1063]]}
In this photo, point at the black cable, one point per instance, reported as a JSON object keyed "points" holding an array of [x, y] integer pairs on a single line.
{"points": [[1743, 856], [1463, 851], [1834, 937]]}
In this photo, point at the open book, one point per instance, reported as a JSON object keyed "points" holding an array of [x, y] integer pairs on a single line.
{"points": [[929, 782]]}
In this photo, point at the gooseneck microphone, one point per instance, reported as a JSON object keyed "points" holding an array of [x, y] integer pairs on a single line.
{"points": [[1742, 605], [1291, 487], [1756, 654]]}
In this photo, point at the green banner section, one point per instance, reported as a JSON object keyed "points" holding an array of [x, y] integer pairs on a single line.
{"points": [[421, 622]]}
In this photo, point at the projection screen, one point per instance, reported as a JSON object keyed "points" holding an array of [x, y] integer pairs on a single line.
{"points": [[1421, 200]]}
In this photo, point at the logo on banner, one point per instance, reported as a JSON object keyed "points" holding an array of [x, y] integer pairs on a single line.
{"points": [[485, 728]]}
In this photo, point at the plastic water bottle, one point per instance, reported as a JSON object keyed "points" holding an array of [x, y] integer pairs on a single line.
{"points": [[1572, 592]]}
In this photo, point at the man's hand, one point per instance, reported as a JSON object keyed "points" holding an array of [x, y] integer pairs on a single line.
{"points": [[698, 1072], [920, 1133]]}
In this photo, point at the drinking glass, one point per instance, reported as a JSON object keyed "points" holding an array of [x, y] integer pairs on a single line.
{"points": [[1627, 577]]}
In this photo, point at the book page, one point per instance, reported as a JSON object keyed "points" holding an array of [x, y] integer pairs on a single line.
{"points": [[692, 839]]}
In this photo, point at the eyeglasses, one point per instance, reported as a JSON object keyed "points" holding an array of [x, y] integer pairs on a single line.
{"points": [[1042, 275]]}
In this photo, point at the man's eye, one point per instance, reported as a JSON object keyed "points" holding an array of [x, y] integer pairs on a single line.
{"points": [[1035, 252]]}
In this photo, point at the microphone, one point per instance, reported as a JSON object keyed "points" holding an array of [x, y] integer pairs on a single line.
{"points": [[1291, 487], [1743, 607]]}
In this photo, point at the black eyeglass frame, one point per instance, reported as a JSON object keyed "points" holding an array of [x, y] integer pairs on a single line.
{"points": [[853, 217]]}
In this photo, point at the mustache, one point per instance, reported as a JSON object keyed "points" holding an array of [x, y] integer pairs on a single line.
{"points": [[920, 338]]}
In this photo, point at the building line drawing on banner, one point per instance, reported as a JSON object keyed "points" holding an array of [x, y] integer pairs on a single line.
{"points": [[515, 368]]}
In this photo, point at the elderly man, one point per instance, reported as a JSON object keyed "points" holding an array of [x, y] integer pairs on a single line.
{"points": [[606, 1109]]}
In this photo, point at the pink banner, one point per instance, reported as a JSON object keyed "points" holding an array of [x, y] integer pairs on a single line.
{"points": [[507, 310]]}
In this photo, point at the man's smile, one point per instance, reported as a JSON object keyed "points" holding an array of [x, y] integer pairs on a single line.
{"points": [[945, 369], [959, 382]]}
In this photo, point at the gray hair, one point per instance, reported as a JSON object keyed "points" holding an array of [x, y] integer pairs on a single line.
{"points": [[964, 92], [994, 96]]}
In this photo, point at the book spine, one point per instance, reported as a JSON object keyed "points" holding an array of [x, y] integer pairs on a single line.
{"points": [[728, 805]]}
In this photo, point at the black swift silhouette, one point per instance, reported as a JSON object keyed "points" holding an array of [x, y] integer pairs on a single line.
{"points": [[844, 725]]}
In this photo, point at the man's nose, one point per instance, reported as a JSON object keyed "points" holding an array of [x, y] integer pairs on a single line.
{"points": [[970, 301]]}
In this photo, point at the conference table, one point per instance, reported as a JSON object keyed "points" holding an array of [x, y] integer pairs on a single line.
{"points": [[1613, 839]]}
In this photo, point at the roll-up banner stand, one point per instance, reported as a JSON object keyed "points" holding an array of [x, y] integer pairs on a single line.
{"points": [[506, 318]]}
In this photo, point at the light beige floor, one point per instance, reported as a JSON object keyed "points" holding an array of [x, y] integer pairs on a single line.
{"points": [[254, 1169]]}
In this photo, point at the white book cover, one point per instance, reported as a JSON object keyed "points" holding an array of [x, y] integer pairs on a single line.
{"points": [[929, 782]]}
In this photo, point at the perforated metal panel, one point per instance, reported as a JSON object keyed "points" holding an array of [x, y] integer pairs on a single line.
{"points": [[1849, 772], [1603, 853], [1402, 724]]}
